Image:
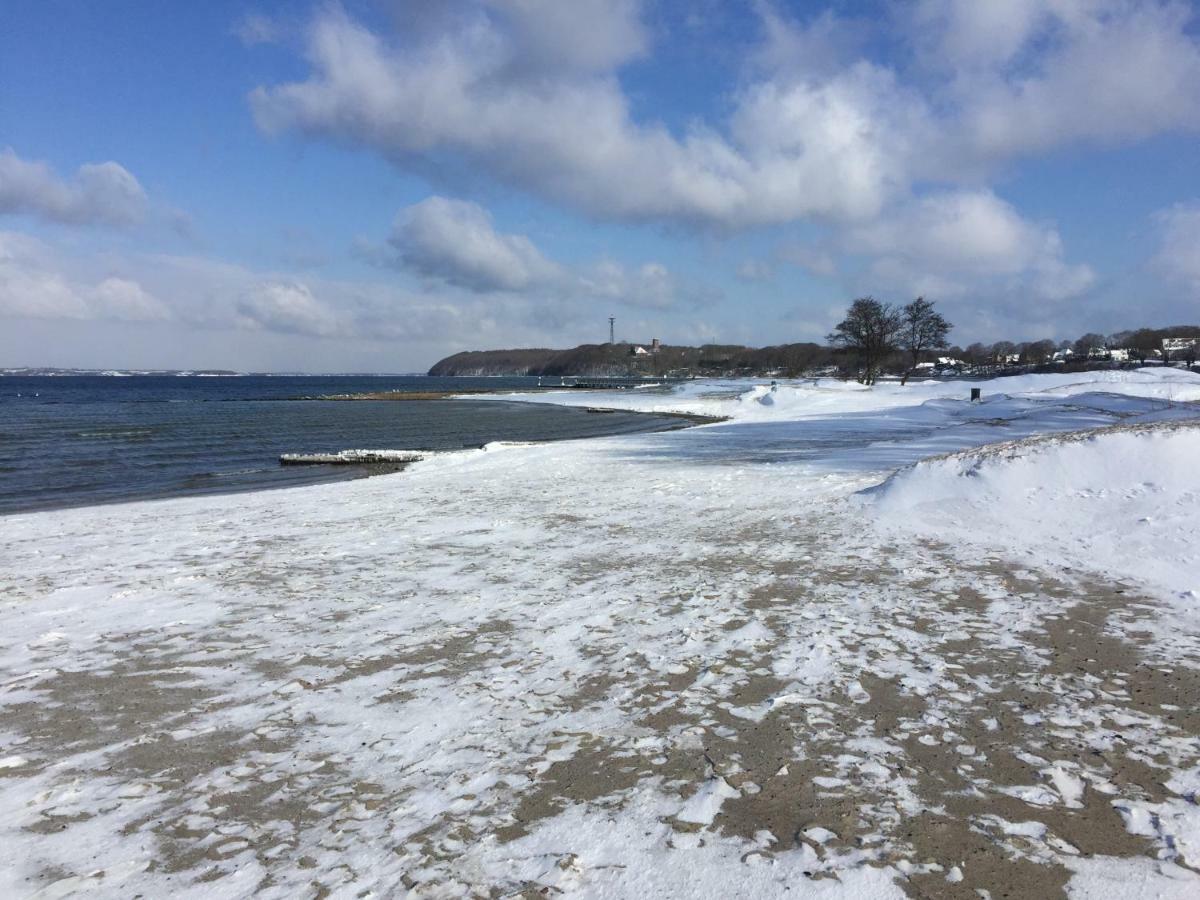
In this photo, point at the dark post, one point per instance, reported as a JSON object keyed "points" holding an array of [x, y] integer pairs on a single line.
{"points": [[976, 395]]}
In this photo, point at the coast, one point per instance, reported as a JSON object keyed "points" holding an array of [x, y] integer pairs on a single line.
{"points": [[741, 659]]}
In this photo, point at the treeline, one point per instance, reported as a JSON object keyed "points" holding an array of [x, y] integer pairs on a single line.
{"points": [[494, 362], [1141, 344], [794, 360]]}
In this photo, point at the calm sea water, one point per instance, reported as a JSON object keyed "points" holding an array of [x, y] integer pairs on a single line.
{"points": [[79, 440]]}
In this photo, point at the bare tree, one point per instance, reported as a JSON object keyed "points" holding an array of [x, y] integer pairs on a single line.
{"points": [[1002, 350], [1040, 352], [869, 330], [1089, 343], [977, 354], [1142, 343], [921, 329]]}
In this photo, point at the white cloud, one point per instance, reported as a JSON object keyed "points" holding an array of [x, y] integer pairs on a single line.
{"points": [[527, 91], [649, 285], [31, 289], [967, 34], [455, 240], [798, 50], [1028, 76], [289, 308], [328, 323], [1178, 255], [99, 193], [952, 244], [586, 35], [833, 147], [34, 285], [122, 298]]}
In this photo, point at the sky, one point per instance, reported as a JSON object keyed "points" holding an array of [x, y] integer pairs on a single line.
{"points": [[370, 186]]}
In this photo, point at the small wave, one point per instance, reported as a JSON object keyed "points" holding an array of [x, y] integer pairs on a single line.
{"points": [[233, 473]]}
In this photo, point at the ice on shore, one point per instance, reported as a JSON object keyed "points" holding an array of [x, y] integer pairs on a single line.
{"points": [[351, 457]]}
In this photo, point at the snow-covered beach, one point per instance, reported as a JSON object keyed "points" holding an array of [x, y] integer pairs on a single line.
{"points": [[850, 643]]}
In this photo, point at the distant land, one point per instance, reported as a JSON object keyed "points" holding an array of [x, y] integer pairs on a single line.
{"points": [[1174, 344], [54, 370], [594, 360], [44, 371]]}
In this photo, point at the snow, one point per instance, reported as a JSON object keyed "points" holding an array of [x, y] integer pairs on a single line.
{"points": [[1121, 501], [353, 456], [703, 806], [1110, 878], [710, 662]]}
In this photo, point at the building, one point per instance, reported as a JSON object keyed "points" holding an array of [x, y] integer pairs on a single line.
{"points": [[1177, 347]]}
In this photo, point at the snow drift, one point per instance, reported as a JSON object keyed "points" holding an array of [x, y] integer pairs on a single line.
{"points": [[1121, 500]]}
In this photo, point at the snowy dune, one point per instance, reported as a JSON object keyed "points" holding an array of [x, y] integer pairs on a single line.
{"points": [[1123, 501], [735, 660]]}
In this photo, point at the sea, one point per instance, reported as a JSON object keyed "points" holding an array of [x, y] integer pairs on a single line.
{"points": [[76, 440]]}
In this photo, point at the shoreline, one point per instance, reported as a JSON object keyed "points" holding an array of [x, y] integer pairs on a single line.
{"points": [[330, 469]]}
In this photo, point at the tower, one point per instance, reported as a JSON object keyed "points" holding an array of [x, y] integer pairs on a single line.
{"points": [[611, 331]]}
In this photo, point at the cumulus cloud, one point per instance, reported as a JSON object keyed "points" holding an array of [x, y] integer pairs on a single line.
{"points": [[123, 298], [289, 308], [99, 193], [832, 147], [527, 91], [34, 285], [949, 244], [455, 240], [31, 289], [1028, 76], [966, 34], [815, 49]]}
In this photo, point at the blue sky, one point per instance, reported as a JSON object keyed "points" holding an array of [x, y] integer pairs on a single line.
{"points": [[369, 186]]}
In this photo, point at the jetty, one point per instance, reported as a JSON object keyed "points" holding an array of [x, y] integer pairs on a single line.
{"points": [[351, 458]]}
